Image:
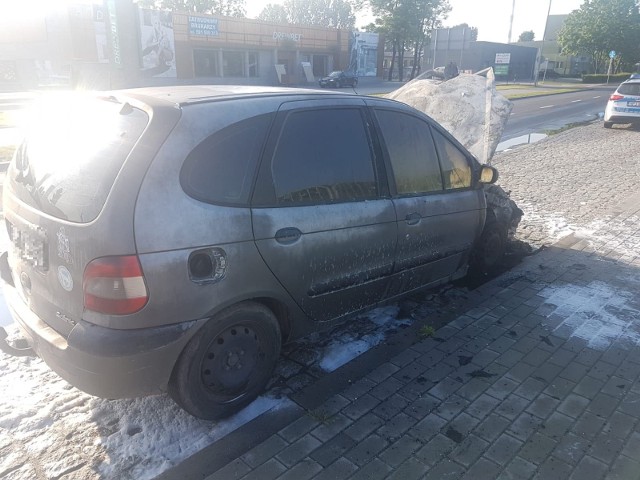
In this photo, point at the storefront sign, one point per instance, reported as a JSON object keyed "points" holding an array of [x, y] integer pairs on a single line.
{"points": [[501, 70], [114, 34], [295, 37], [503, 58], [203, 26]]}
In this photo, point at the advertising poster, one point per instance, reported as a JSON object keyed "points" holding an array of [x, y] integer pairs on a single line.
{"points": [[157, 43]]}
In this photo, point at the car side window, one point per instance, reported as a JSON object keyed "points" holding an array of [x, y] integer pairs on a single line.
{"points": [[323, 156], [411, 151], [456, 171], [221, 168]]}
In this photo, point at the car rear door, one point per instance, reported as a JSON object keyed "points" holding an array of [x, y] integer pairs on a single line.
{"points": [[320, 217], [439, 213]]}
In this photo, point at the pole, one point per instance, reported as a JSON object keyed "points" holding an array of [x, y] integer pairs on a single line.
{"points": [[544, 34], [513, 9], [609, 69], [435, 50]]}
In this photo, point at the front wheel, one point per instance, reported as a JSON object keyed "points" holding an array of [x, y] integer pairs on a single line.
{"points": [[608, 124], [227, 364], [490, 247]]}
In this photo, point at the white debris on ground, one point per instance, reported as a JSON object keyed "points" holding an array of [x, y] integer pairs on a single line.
{"points": [[598, 313], [70, 431], [468, 106]]}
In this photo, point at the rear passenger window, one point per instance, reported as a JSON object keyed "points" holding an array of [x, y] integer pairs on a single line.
{"points": [[456, 171], [221, 168], [323, 156], [411, 151]]}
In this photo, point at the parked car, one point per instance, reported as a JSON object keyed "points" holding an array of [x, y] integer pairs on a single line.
{"points": [[172, 238], [624, 105], [549, 73], [339, 79]]}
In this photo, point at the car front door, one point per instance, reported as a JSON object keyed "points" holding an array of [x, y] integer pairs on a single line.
{"points": [[320, 219], [439, 213]]}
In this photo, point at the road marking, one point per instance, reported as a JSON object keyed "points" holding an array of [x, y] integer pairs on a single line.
{"points": [[598, 96], [575, 101], [548, 106]]}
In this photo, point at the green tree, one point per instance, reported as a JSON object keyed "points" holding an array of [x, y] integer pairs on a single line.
{"points": [[322, 13], [600, 26], [227, 8], [273, 13], [406, 25], [527, 36]]}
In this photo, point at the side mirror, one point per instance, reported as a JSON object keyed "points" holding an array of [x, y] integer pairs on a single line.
{"points": [[488, 174]]}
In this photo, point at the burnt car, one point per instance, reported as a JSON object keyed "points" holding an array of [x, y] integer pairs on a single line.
{"points": [[172, 238], [339, 79]]}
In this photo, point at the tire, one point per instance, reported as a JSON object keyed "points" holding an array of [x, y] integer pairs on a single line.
{"points": [[608, 124], [490, 247], [227, 364]]}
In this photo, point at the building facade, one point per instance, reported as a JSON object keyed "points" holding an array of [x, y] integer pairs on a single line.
{"points": [[116, 44]]}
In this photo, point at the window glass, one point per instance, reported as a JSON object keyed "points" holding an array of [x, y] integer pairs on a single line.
{"points": [[220, 169], [629, 89], [456, 171], [323, 156], [254, 70], [411, 151], [206, 63], [233, 64], [72, 153]]}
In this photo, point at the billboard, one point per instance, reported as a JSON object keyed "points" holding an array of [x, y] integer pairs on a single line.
{"points": [[363, 59], [157, 43]]}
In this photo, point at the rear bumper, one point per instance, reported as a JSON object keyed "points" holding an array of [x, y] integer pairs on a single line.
{"points": [[105, 362], [617, 118]]}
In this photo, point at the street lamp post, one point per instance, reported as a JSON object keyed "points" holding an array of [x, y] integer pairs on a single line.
{"points": [[541, 52]]}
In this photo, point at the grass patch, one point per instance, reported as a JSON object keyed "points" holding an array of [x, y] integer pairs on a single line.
{"points": [[6, 152], [320, 415], [569, 126], [427, 331]]}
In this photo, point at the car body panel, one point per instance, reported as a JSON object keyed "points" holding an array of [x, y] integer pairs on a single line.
{"points": [[311, 264], [339, 79], [627, 108]]}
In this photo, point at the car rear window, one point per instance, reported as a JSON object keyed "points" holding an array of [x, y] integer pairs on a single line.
{"points": [[72, 153], [629, 89]]}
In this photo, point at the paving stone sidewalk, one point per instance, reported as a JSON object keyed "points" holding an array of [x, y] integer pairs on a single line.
{"points": [[539, 379]]}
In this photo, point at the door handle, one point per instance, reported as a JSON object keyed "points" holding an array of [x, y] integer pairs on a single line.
{"points": [[413, 218], [287, 236]]}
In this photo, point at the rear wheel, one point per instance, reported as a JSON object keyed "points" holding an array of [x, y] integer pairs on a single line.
{"points": [[227, 364], [608, 124]]}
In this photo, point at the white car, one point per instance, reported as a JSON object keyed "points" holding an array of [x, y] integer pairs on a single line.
{"points": [[624, 104]]}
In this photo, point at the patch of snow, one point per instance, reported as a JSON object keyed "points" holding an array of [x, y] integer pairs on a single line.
{"points": [[63, 427], [344, 349], [598, 313]]}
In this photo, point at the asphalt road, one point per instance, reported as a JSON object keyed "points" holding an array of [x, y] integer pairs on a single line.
{"points": [[541, 114]]}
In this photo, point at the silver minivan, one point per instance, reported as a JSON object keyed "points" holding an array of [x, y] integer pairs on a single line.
{"points": [[171, 238]]}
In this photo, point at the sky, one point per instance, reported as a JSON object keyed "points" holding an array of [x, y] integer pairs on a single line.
{"points": [[491, 17]]}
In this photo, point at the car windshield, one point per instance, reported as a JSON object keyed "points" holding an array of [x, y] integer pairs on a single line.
{"points": [[335, 74], [72, 153]]}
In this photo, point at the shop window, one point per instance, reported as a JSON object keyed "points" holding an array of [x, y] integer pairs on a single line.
{"points": [[254, 70], [233, 64], [206, 63]]}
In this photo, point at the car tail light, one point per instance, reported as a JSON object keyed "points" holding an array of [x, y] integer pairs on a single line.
{"points": [[114, 285], [616, 97]]}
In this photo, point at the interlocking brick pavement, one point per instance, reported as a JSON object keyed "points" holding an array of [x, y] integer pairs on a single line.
{"points": [[538, 377]]}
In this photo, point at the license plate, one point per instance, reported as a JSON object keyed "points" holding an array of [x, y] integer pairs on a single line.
{"points": [[633, 104], [30, 245]]}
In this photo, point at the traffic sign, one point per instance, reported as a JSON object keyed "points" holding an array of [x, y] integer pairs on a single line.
{"points": [[612, 54]]}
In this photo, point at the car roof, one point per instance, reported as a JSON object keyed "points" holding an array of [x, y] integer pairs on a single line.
{"points": [[189, 94]]}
